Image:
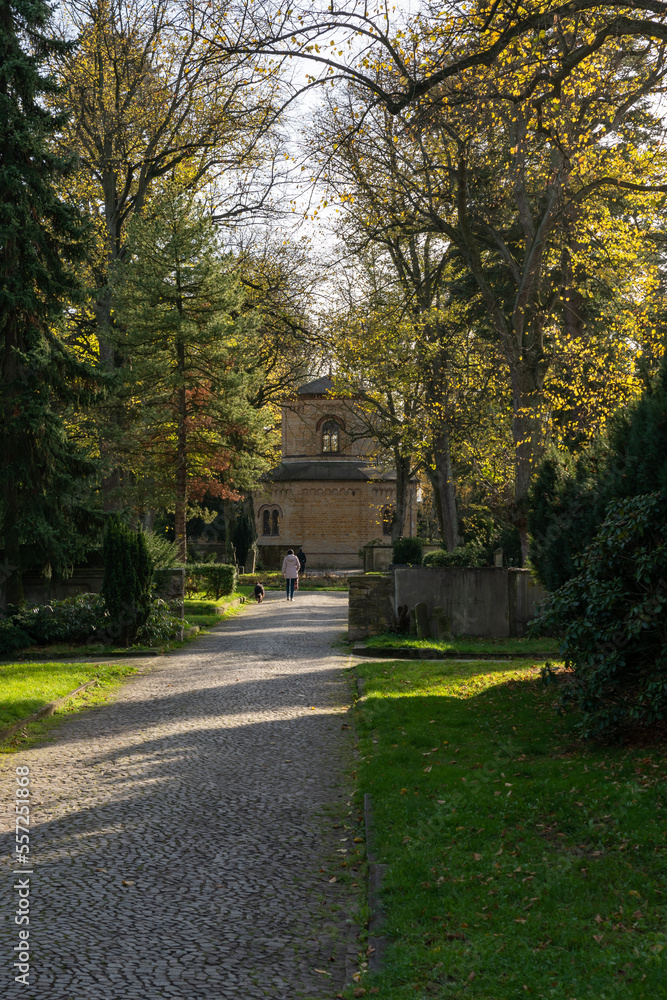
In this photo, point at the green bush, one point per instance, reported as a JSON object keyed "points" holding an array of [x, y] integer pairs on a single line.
{"points": [[244, 534], [128, 579], [471, 554], [408, 550], [12, 638], [570, 498], [613, 615], [75, 619], [163, 623], [215, 579], [163, 553]]}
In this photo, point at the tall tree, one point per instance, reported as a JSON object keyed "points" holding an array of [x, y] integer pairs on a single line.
{"points": [[179, 314], [531, 202], [40, 238]]}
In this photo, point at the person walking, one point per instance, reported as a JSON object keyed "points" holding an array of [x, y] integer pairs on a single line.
{"points": [[290, 572], [301, 556]]}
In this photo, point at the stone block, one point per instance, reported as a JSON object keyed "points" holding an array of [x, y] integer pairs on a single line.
{"points": [[421, 617]]}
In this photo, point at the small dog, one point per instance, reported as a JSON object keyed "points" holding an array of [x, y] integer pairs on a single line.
{"points": [[259, 592]]}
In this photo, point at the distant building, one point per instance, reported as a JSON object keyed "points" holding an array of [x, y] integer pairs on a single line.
{"points": [[324, 495]]}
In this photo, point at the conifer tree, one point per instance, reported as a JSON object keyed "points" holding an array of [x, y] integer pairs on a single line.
{"points": [[40, 237], [194, 431]]}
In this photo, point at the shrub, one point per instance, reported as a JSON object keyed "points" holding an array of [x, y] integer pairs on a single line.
{"points": [[569, 499], [613, 614], [76, 619], [244, 534], [128, 579], [215, 579], [471, 554], [163, 553], [163, 623], [12, 638], [408, 550]]}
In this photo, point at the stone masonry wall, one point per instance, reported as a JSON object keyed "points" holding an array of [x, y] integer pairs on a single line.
{"points": [[371, 606]]}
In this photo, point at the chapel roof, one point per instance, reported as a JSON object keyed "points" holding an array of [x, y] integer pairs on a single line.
{"points": [[319, 387], [339, 471]]}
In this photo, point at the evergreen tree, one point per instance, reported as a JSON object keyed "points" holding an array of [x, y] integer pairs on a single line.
{"points": [[570, 499], [195, 432], [128, 579], [41, 509]]}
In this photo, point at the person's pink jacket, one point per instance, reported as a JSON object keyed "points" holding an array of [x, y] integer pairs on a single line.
{"points": [[291, 568]]}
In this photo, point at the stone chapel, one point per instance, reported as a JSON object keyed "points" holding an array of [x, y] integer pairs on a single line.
{"points": [[325, 496]]}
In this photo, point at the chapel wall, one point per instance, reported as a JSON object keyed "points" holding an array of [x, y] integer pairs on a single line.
{"points": [[302, 428]]}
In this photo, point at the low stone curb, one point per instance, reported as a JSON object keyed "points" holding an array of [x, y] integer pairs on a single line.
{"points": [[44, 712], [416, 653]]}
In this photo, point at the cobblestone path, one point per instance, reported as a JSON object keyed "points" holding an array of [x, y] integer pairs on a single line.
{"points": [[178, 833]]}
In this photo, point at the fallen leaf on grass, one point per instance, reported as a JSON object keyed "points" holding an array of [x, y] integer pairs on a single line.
{"points": [[322, 972], [519, 920], [472, 976], [361, 992], [427, 769], [598, 919], [332, 880], [477, 857], [598, 938]]}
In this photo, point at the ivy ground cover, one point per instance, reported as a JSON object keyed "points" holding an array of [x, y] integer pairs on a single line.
{"points": [[521, 861]]}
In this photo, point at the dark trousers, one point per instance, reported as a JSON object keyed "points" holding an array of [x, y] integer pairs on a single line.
{"points": [[289, 587]]}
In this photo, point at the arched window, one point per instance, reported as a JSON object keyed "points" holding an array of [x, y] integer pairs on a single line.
{"points": [[266, 523], [330, 436], [387, 520], [274, 523]]}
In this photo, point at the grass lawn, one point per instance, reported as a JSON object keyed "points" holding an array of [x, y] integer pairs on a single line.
{"points": [[521, 861], [536, 648], [27, 687], [205, 613]]}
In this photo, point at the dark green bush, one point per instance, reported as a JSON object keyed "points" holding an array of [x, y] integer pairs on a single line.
{"points": [[76, 619], [128, 579], [163, 623], [12, 638], [570, 498], [244, 534], [408, 550], [471, 554], [613, 615], [215, 579]]}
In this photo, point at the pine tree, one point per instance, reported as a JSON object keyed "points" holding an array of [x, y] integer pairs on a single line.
{"points": [[41, 511], [189, 383]]}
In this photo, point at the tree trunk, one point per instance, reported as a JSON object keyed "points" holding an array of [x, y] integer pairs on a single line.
{"points": [[402, 482], [12, 573], [440, 476], [180, 518], [528, 432]]}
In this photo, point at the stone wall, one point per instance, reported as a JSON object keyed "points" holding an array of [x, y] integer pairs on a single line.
{"points": [[371, 607], [302, 422], [332, 519], [488, 602]]}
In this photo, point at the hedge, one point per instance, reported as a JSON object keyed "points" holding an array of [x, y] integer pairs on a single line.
{"points": [[215, 579]]}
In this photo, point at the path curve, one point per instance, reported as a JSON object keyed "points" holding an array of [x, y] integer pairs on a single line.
{"points": [[204, 786]]}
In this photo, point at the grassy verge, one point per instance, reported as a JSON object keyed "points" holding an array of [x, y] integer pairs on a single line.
{"points": [[521, 862], [536, 648], [27, 687]]}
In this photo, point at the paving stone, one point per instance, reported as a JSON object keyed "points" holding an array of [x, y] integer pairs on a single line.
{"points": [[204, 783]]}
